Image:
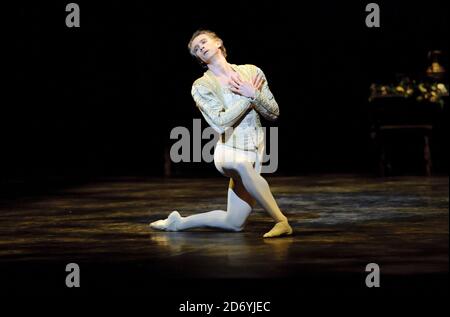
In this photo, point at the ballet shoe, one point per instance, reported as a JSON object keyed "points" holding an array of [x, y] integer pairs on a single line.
{"points": [[281, 228], [169, 224]]}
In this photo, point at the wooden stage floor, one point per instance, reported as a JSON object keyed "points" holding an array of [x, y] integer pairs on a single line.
{"points": [[341, 223]]}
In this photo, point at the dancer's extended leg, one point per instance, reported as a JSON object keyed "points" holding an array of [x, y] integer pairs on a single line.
{"points": [[239, 206]]}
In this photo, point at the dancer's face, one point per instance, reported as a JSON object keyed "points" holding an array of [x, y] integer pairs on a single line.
{"points": [[206, 47]]}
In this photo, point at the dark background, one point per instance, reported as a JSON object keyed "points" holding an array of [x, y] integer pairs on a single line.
{"points": [[100, 100]]}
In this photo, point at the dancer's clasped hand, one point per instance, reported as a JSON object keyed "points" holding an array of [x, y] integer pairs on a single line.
{"points": [[246, 88]]}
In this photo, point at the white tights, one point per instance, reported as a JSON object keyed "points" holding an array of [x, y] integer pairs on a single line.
{"points": [[246, 186]]}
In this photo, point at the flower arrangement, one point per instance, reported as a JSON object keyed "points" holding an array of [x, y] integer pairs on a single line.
{"points": [[428, 91]]}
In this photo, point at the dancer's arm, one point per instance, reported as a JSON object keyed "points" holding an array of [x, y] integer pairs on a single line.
{"points": [[213, 110], [264, 101]]}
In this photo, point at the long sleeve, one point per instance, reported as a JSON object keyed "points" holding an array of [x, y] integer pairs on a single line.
{"points": [[218, 117], [264, 101]]}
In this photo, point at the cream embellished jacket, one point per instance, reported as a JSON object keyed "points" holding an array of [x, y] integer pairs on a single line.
{"points": [[235, 117]]}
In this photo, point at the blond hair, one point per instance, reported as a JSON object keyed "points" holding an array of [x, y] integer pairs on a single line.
{"points": [[210, 34]]}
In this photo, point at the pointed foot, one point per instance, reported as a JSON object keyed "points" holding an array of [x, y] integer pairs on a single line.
{"points": [[168, 224]]}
